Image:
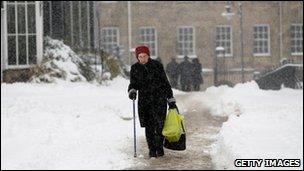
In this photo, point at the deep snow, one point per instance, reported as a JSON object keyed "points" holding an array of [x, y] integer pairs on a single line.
{"points": [[262, 124], [87, 126], [65, 126]]}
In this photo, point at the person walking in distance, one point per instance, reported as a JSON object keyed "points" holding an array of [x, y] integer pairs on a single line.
{"points": [[197, 78], [171, 70], [184, 70]]}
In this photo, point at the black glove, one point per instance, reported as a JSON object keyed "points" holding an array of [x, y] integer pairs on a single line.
{"points": [[172, 105], [132, 95]]}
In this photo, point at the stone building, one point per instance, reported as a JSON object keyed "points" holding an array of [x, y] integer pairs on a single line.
{"points": [[271, 31]]}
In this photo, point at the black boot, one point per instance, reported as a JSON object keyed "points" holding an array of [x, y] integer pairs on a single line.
{"points": [[152, 153], [160, 152], [159, 145]]}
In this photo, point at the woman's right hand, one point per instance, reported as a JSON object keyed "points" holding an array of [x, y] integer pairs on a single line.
{"points": [[132, 94]]}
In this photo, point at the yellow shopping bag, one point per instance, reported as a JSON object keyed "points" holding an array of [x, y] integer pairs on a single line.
{"points": [[173, 126]]}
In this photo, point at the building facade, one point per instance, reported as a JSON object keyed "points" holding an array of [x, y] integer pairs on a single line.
{"points": [[271, 31]]}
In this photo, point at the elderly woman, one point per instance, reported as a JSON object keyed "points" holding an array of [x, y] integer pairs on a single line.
{"points": [[148, 77]]}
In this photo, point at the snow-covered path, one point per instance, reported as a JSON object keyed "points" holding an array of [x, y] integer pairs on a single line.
{"points": [[201, 128]]}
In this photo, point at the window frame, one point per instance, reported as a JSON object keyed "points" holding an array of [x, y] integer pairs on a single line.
{"points": [[155, 40], [231, 40], [193, 42], [106, 43], [16, 35], [259, 39], [296, 38]]}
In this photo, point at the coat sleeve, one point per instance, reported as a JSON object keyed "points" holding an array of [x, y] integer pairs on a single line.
{"points": [[133, 86], [168, 89]]}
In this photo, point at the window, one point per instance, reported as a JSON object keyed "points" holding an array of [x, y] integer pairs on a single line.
{"points": [[148, 37], [47, 19], [297, 39], [75, 26], [21, 32], [91, 23], [186, 41], [261, 40], [84, 25], [67, 31], [110, 36], [76, 19], [223, 39], [2, 5]]}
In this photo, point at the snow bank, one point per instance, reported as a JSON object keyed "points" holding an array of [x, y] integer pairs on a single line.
{"points": [[262, 124], [67, 126], [60, 63]]}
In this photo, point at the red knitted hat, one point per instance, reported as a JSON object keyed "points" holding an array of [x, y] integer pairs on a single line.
{"points": [[142, 49]]}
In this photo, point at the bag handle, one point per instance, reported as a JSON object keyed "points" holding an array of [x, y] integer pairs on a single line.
{"points": [[183, 127]]}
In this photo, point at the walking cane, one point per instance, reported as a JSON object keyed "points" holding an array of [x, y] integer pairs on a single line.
{"points": [[134, 128]]}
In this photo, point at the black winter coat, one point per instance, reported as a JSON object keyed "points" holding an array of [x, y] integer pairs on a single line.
{"points": [[172, 69], [196, 74], [184, 69], [154, 90]]}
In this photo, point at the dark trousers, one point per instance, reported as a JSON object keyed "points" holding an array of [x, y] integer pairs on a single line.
{"points": [[154, 135], [196, 87], [173, 82], [186, 87]]}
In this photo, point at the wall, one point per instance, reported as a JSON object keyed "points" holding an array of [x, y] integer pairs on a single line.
{"points": [[204, 16]]}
